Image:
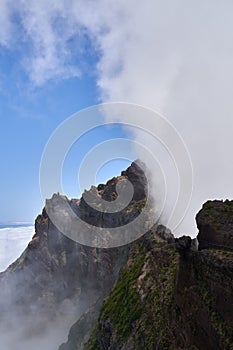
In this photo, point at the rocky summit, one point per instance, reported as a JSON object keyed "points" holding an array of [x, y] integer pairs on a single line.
{"points": [[158, 292], [57, 280]]}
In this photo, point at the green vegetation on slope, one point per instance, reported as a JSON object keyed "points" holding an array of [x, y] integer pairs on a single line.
{"points": [[139, 308]]}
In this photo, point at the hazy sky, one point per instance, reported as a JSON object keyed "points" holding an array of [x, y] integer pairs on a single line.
{"points": [[60, 56]]}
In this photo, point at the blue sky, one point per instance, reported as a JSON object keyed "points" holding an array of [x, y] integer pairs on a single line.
{"points": [[61, 56], [29, 115]]}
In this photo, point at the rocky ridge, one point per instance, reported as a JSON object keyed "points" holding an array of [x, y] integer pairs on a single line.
{"points": [[156, 293]]}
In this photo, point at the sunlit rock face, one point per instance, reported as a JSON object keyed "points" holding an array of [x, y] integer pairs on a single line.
{"points": [[81, 219]]}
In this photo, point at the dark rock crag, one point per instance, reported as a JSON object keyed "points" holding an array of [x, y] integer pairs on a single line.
{"points": [[215, 224], [56, 279]]}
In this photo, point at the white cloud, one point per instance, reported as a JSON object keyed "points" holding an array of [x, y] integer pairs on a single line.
{"points": [[13, 241], [175, 57], [54, 33], [5, 23]]}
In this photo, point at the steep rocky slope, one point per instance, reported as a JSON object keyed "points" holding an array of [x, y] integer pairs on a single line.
{"points": [[56, 279], [159, 236], [172, 296]]}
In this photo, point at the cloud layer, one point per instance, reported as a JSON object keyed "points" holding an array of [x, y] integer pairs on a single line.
{"points": [[12, 243], [175, 57]]}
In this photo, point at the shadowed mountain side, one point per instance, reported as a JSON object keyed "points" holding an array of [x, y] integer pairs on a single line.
{"points": [[56, 279]]}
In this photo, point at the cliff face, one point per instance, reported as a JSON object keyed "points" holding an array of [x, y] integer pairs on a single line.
{"points": [[167, 295], [56, 279], [204, 296], [170, 295]]}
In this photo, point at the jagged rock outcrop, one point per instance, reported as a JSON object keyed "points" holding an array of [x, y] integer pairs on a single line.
{"points": [[95, 210], [215, 225], [183, 244], [56, 279]]}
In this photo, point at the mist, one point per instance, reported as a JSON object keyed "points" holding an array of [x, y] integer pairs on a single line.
{"points": [[174, 57], [177, 59], [36, 310]]}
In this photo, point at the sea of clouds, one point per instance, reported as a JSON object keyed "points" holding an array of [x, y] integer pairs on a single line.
{"points": [[13, 241]]}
